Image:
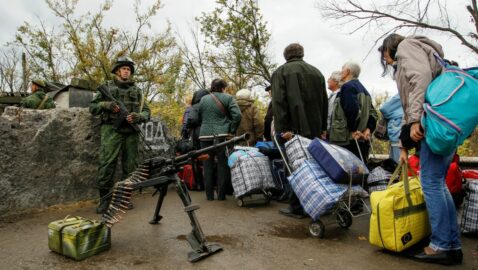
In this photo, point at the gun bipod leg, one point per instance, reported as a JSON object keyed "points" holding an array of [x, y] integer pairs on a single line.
{"points": [[196, 239], [163, 191]]}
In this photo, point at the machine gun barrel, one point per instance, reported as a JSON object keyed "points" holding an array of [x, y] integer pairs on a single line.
{"points": [[159, 172], [158, 162]]}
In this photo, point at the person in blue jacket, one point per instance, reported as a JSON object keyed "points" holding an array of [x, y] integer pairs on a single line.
{"points": [[392, 111]]}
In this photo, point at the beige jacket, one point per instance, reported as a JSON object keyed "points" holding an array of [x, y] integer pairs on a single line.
{"points": [[416, 68], [251, 121]]}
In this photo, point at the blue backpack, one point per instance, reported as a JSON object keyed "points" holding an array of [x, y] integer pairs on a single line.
{"points": [[450, 108]]}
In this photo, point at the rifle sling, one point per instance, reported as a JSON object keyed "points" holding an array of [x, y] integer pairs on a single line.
{"points": [[42, 104]]}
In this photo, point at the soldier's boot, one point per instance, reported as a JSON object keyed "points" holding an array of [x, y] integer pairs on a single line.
{"points": [[105, 198]]}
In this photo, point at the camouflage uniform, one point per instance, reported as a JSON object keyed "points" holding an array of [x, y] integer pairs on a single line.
{"points": [[34, 101], [124, 139]]}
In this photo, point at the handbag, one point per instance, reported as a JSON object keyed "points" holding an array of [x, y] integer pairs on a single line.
{"points": [[381, 131], [184, 146], [399, 216]]}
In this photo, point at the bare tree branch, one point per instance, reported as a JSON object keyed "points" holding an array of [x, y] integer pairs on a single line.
{"points": [[400, 12]]}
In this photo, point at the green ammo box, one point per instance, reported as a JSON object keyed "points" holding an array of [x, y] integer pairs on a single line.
{"points": [[78, 238]]}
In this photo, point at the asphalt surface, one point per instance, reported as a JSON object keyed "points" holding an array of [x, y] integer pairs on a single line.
{"points": [[252, 237]]}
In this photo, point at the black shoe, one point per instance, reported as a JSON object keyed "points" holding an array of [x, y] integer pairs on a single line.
{"points": [[292, 213], [103, 206], [456, 256], [441, 257], [356, 207], [105, 198]]}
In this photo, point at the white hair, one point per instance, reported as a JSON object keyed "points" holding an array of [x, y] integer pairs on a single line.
{"points": [[354, 69], [243, 94], [337, 76]]}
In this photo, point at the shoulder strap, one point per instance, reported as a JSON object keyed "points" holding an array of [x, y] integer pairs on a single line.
{"points": [[42, 102], [440, 60], [219, 105]]}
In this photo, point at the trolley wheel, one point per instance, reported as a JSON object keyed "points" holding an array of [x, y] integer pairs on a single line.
{"points": [[344, 218], [240, 202], [317, 229]]}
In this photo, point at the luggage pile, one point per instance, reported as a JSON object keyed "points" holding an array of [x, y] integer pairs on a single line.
{"points": [[296, 150], [378, 179], [324, 178], [250, 173], [340, 164], [282, 190], [399, 216], [469, 218], [316, 190]]}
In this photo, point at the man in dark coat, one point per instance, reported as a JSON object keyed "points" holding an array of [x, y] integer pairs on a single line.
{"points": [[299, 105]]}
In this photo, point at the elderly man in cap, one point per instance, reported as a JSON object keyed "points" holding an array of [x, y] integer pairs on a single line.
{"points": [[38, 99], [124, 138]]}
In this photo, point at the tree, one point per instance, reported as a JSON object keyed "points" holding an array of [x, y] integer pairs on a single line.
{"points": [[392, 15], [195, 59], [238, 32], [9, 70], [83, 47]]}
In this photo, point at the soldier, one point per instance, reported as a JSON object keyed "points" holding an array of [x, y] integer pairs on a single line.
{"points": [[38, 99], [123, 139]]}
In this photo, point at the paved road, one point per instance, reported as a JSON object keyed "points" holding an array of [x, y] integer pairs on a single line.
{"points": [[253, 238]]}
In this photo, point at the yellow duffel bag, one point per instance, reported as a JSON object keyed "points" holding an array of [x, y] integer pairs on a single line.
{"points": [[399, 216]]}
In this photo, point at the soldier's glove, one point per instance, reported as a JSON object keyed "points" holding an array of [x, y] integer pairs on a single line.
{"points": [[135, 118], [107, 105]]}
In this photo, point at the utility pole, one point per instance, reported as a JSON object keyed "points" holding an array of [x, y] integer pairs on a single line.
{"points": [[24, 73]]}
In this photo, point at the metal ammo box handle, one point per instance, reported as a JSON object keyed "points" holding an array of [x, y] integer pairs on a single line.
{"points": [[85, 221], [67, 216]]}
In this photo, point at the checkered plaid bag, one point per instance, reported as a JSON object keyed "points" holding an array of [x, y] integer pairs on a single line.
{"points": [[378, 179], [469, 218], [296, 150], [378, 174], [316, 191], [251, 174], [377, 186]]}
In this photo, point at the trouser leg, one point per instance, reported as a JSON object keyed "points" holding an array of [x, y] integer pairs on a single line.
{"points": [[129, 157], [223, 174], [111, 142], [208, 172], [440, 206]]}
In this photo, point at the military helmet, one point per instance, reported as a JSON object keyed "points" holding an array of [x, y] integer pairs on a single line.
{"points": [[121, 62], [39, 82]]}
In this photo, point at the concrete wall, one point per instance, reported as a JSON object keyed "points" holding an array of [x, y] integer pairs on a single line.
{"points": [[50, 157]]}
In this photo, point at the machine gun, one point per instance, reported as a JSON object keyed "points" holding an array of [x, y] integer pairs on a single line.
{"points": [[159, 173]]}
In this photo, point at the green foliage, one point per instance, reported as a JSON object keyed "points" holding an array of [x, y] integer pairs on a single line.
{"points": [[237, 32], [171, 113], [81, 46]]}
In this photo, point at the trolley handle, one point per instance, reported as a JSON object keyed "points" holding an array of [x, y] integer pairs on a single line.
{"points": [[276, 142]]}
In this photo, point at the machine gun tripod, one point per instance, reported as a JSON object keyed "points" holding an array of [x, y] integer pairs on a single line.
{"points": [[159, 173]]}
